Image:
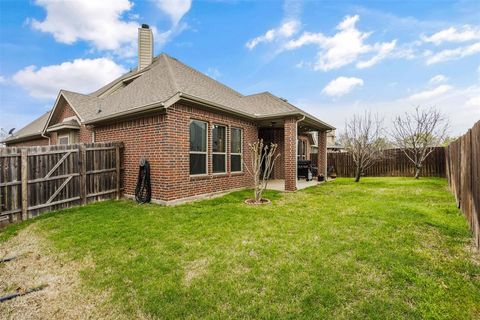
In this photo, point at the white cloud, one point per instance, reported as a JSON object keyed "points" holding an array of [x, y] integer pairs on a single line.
{"points": [[439, 78], [175, 9], [383, 49], [452, 54], [344, 47], [3, 80], [429, 94], [106, 24], [80, 75], [453, 104], [213, 73], [452, 34], [473, 102], [341, 86], [97, 22], [285, 30]]}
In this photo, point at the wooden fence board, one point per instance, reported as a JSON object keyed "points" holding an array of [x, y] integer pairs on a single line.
{"points": [[462, 158], [34, 180], [395, 164]]}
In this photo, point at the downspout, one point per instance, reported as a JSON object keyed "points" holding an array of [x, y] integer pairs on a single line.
{"points": [[296, 150], [44, 136]]}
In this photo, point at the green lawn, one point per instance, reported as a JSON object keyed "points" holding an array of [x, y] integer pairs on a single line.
{"points": [[383, 248]]}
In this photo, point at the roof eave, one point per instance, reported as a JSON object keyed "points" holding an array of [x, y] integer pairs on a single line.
{"points": [[22, 138], [63, 127], [311, 121], [215, 106], [130, 112]]}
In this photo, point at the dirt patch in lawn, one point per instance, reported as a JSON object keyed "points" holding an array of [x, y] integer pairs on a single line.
{"points": [[36, 265], [194, 270]]}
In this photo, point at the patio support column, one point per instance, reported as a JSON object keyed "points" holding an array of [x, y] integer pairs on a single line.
{"points": [[290, 154], [322, 153]]}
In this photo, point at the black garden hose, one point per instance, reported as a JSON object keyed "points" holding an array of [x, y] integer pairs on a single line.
{"points": [[143, 191], [22, 293]]}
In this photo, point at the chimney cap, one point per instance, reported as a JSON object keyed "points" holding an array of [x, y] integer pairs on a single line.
{"points": [[145, 26]]}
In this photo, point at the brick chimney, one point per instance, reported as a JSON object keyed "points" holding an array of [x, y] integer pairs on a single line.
{"points": [[145, 46]]}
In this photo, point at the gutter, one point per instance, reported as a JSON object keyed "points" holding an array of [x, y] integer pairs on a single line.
{"points": [[217, 106], [190, 98], [137, 110], [44, 136]]}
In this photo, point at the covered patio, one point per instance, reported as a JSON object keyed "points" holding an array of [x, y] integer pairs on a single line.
{"points": [[295, 137]]}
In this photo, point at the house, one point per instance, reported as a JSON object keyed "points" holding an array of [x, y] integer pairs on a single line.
{"points": [[194, 130], [333, 145]]}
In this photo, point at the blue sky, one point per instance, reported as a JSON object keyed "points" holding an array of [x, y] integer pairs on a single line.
{"points": [[331, 58]]}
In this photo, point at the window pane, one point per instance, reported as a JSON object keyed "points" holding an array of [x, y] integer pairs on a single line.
{"points": [[236, 162], [198, 136], [198, 163], [63, 140], [236, 140], [218, 138], [218, 163]]}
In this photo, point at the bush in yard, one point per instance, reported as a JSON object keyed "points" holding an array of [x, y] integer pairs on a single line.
{"points": [[262, 160]]}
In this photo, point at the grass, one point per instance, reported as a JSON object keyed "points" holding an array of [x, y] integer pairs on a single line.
{"points": [[383, 248]]}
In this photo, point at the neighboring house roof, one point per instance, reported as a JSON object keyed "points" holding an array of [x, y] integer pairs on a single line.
{"points": [[32, 130], [336, 145], [167, 81]]}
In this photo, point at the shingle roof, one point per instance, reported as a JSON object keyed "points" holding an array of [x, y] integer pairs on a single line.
{"points": [[32, 129], [168, 78]]}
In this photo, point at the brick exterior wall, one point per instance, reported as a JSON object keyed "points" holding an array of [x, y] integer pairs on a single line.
{"points": [[142, 137], [29, 143], [290, 167], [164, 141], [322, 153]]}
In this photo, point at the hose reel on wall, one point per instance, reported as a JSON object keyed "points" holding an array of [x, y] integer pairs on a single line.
{"points": [[143, 190]]}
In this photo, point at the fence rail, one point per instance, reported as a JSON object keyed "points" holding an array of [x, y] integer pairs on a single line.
{"points": [[38, 179], [395, 164], [463, 174]]}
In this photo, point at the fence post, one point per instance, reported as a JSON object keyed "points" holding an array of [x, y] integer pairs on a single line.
{"points": [[82, 156], [24, 175], [117, 168]]}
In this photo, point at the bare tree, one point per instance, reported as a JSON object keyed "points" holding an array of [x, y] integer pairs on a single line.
{"points": [[418, 132], [363, 138], [262, 160]]}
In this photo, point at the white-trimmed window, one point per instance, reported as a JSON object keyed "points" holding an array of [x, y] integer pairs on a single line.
{"points": [[219, 148], [65, 139], [236, 150], [198, 147]]}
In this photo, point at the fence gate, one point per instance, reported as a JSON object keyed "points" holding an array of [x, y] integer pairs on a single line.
{"points": [[38, 179]]}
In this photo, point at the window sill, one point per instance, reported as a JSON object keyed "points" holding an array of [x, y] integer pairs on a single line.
{"points": [[199, 177], [220, 174], [238, 173]]}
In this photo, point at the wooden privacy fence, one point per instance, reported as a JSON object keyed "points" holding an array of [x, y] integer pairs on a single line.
{"points": [[38, 179], [395, 164], [463, 174]]}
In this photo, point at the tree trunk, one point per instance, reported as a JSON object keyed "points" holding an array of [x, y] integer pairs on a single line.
{"points": [[258, 194], [358, 172], [417, 172]]}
